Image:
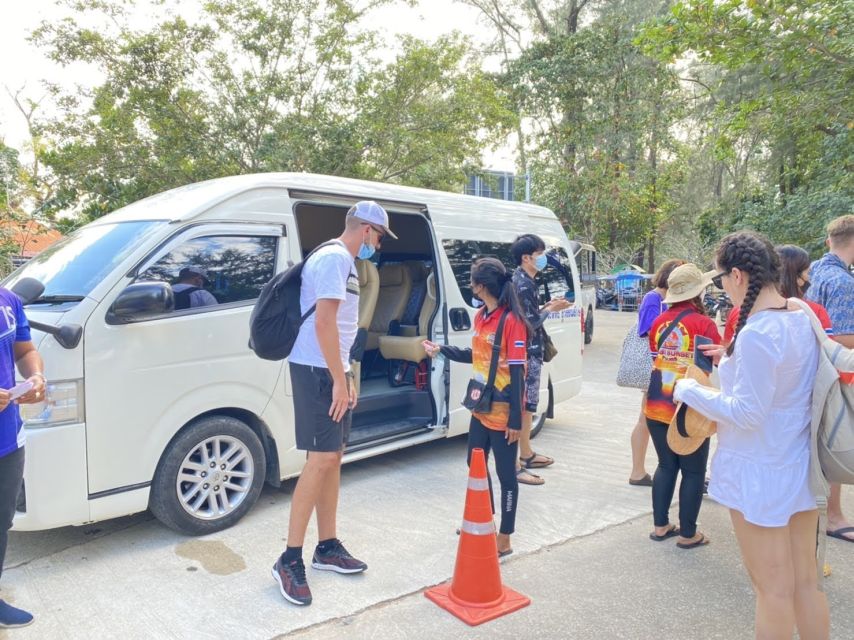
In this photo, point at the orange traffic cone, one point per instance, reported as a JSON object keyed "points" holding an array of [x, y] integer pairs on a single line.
{"points": [[476, 594]]}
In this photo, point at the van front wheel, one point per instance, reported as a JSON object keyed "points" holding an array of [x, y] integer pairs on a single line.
{"points": [[209, 476]]}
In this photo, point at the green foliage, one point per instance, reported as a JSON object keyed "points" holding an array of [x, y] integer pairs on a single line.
{"points": [[604, 157], [257, 86], [779, 105]]}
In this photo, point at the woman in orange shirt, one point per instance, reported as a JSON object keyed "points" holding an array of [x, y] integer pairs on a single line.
{"points": [[498, 429]]}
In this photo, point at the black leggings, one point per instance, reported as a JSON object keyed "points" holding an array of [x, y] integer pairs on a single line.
{"points": [[481, 437], [693, 468], [11, 475]]}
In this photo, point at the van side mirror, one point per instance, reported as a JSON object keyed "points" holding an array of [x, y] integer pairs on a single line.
{"points": [[141, 301]]}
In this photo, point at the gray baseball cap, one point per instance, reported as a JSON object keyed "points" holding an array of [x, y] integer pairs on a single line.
{"points": [[372, 213], [196, 270]]}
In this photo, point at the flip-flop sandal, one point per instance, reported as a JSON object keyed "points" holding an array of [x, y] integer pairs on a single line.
{"points": [[521, 473], [531, 463], [504, 554], [693, 545], [646, 481], [839, 534], [661, 538]]}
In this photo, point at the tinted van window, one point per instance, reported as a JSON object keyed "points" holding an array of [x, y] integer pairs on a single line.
{"points": [[233, 268], [554, 282]]}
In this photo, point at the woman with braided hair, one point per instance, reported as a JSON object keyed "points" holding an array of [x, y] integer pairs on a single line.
{"points": [[761, 467]]}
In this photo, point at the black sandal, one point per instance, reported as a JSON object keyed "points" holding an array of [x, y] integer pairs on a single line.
{"points": [[672, 532]]}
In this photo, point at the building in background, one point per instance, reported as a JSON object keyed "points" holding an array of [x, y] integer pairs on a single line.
{"points": [[27, 238], [501, 185]]}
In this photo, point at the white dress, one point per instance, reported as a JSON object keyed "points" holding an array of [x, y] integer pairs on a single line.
{"points": [[763, 411]]}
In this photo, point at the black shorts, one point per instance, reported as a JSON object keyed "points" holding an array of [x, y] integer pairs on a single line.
{"points": [[315, 429]]}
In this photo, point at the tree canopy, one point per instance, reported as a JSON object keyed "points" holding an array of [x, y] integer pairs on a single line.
{"points": [[651, 127]]}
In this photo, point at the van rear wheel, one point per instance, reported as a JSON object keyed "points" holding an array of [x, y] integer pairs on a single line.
{"points": [[209, 476], [588, 327]]}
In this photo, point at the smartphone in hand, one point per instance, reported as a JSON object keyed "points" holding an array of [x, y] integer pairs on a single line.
{"points": [[700, 358]]}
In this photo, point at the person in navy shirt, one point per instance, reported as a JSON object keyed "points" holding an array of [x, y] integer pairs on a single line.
{"points": [[16, 349]]}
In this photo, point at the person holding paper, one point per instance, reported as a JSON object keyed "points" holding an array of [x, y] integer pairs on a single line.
{"points": [[16, 349]]}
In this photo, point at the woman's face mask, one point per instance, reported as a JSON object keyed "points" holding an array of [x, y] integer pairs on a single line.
{"points": [[475, 299], [540, 261]]}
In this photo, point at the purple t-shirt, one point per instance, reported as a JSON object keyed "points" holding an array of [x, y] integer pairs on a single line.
{"points": [[651, 307], [13, 328]]}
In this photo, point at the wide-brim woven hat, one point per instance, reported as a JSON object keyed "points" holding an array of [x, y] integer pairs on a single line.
{"points": [[686, 283], [689, 428]]}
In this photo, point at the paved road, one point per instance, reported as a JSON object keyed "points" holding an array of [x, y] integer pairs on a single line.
{"points": [[582, 553]]}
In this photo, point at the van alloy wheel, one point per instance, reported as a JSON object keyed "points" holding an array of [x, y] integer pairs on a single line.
{"points": [[215, 477], [221, 452]]}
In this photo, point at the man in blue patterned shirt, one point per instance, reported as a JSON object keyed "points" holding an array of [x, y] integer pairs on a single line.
{"points": [[832, 286]]}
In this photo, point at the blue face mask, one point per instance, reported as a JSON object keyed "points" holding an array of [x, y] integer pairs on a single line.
{"points": [[366, 251], [540, 262]]}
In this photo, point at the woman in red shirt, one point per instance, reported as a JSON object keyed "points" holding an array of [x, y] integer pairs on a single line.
{"points": [[497, 430], [675, 331]]}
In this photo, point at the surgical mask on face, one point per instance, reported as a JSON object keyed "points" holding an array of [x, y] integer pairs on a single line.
{"points": [[540, 262], [476, 302], [366, 251]]}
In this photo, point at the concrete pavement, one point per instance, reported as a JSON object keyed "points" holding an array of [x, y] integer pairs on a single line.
{"points": [[581, 552]]}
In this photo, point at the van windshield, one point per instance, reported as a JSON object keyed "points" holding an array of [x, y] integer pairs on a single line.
{"points": [[72, 267]]}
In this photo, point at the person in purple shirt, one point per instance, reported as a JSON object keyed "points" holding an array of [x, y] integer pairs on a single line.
{"points": [[651, 307], [16, 349]]}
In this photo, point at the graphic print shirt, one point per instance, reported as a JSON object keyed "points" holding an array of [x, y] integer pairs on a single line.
{"points": [[676, 353], [513, 352]]}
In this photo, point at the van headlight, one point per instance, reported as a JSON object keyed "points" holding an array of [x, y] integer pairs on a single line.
{"points": [[63, 404]]}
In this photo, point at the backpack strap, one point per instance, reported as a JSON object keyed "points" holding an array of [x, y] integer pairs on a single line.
{"points": [[817, 329], [304, 262], [820, 499]]}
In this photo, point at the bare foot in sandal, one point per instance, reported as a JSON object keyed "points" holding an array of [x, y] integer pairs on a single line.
{"points": [[503, 541], [699, 540], [526, 477], [536, 461]]}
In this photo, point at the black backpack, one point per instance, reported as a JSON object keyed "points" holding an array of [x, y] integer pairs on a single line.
{"points": [[276, 319], [182, 298]]}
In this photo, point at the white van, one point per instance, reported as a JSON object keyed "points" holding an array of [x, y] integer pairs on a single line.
{"points": [[585, 265], [150, 406]]}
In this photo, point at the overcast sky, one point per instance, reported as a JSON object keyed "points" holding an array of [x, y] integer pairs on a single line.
{"points": [[21, 65]]}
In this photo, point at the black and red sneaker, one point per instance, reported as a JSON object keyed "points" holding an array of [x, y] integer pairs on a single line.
{"points": [[292, 582], [338, 559]]}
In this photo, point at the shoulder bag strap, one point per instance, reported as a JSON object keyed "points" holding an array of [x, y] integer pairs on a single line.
{"points": [[496, 350], [672, 326]]}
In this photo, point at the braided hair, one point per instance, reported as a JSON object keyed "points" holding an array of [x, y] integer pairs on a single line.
{"points": [[753, 254]]}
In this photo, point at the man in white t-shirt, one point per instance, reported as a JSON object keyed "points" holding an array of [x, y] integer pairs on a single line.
{"points": [[324, 396]]}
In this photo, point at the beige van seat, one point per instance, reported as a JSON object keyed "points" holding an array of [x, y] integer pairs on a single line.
{"points": [[369, 290], [409, 348], [395, 287]]}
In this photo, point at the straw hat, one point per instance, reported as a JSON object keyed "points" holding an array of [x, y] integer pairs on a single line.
{"points": [[686, 283], [689, 428]]}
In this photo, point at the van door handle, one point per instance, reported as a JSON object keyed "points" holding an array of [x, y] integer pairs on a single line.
{"points": [[460, 320]]}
